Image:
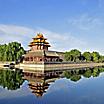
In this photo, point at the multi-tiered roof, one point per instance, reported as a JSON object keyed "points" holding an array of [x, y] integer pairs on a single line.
{"points": [[39, 52], [39, 40]]}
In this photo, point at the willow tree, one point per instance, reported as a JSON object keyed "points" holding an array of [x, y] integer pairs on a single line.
{"points": [[11, 52]]}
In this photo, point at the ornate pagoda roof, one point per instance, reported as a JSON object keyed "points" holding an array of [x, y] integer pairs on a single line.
{"points": [[39, 40], [39, 36]]}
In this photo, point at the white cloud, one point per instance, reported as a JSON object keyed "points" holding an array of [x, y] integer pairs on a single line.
{"points": [[7, 94], [16, 30], [60, 42], [91, 29], [10, 33], [86, 22]]}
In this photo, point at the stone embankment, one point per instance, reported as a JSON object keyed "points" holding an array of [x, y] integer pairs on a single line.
{"points": [[53, 66], [71, 66], [56, 66]]}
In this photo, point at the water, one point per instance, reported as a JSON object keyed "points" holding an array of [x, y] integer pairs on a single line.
{"points": [[81, 86]]}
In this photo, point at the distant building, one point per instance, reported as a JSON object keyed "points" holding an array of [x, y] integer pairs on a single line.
{"points": [[39, 52]]}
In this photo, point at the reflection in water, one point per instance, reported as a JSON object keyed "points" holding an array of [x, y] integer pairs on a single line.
{"points": [[40, 82], [75, 75], [10, 79]]}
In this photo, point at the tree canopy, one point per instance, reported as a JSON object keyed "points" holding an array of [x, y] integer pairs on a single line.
{"points": [[76, 56], [73, 55], [11, 52], [87, 56]]}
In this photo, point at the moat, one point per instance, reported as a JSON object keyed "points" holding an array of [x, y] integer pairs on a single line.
{"points": [[76, 86]]}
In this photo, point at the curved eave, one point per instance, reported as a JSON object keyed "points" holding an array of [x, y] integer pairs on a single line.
{"points": [[47, 45], [31, 42], [30, 45], [40, 43]]}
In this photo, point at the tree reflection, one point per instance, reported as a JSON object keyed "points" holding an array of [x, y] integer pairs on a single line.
{"points": [[96, 72], [39, 82], [75, 78], [75, 75], [87, 73], [11, 79], [72, 75]]}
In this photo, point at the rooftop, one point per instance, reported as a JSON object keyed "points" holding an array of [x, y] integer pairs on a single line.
{"points": [[39, 40]]}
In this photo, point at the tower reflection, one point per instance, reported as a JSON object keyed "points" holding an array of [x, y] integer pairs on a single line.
{"points": [[39, 82]]}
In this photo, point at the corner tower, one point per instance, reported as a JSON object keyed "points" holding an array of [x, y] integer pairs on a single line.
{"points": [[39, 43], [39, 53]]}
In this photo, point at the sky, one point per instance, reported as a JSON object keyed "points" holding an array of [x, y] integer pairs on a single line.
{"points": [[67, 24]]}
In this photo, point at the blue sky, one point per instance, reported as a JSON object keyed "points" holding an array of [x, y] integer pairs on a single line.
{"points": [[67, 24]]}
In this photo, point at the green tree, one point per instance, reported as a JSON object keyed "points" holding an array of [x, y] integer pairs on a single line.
{"points": [[87, 56], [68, 56], [11, 52], [101, 58], [96, 56], [73, 55]]}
